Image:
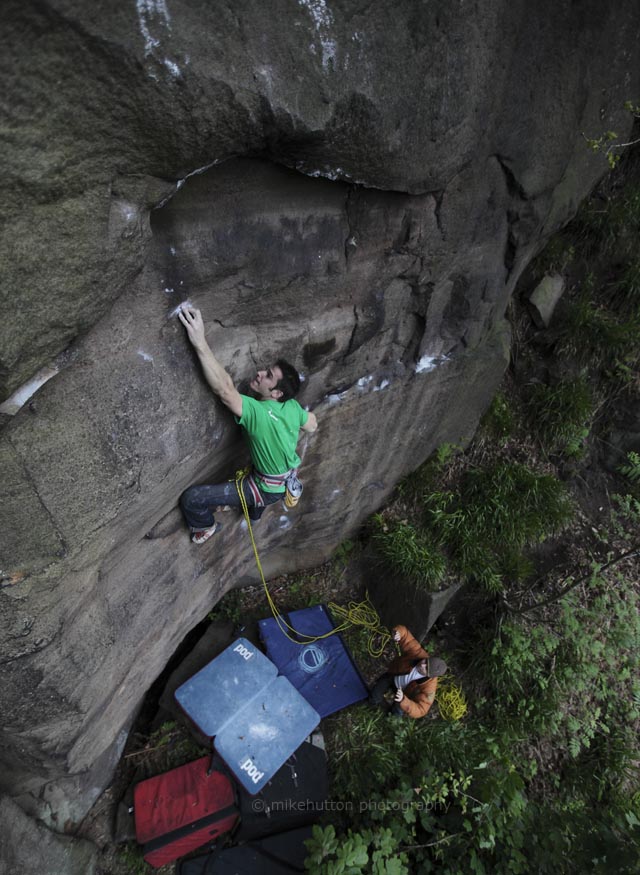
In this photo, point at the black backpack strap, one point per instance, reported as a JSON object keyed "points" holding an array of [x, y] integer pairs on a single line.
{"points": [[169, 837]]}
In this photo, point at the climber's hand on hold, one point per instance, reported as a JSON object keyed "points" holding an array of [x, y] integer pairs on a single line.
{"points": [[192, 321]]}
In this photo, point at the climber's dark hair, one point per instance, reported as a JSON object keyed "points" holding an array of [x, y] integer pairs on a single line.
{"points": [[289, 385]]}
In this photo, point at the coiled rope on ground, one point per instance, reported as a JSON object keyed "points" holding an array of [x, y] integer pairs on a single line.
{"points": [[452, 703]]}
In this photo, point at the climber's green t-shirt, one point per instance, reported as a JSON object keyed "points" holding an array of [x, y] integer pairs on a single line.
{"points": [[272, 429]]}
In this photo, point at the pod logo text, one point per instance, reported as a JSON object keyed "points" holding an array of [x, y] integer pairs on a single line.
{"points": [[248, 767], [242, 650]]}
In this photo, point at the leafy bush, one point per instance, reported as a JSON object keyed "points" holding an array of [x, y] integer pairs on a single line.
{"points": [[606, 223], [626, 294], [411, 553], [625, 517], [130, 858], [556, 256], [631, 467], [370, 852], [426, 475], [560, 415], [435, 797], [343, 553], [568, 678], [228, 608], [500, 510], [593, 335], [499, 421], [352, 736]]}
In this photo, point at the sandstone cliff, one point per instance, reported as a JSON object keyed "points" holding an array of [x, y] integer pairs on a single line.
{"points": [[354, 185]]}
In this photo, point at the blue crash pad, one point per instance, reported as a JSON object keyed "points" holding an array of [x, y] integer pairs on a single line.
{"points": [[258, 718], [323, 671], [264, 734], [218, 691]]}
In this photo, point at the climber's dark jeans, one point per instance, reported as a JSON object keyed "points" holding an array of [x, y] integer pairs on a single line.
{"points": [[199, 502], [376, 695]]}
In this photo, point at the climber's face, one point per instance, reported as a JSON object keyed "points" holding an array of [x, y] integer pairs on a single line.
{"points": [[264, 383]]}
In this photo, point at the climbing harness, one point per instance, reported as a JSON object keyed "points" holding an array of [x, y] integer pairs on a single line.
{"points": [[362, 614]]}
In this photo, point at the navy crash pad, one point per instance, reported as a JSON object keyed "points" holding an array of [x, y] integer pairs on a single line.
{"points": [[323, 671]]}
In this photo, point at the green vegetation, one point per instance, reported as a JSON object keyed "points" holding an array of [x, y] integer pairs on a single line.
{"points": [[302, 592], [411, 553], [130, 858], [497, 512], [626, 293], [343, 554], [625, 518], [228, 608], [596, 336], [482, 528], [557, 255], [606, 142], [432, 796], [565, 677], [631, 468], [499, 422], [167, 748], [560, 415]]}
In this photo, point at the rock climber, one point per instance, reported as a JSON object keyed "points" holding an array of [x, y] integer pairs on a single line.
{"points": [[413, 675], [271, 420]]}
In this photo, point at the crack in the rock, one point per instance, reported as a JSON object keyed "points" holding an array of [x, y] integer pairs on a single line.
{"points": [[511, 246], [351, 241], [413, 274], [32, 483], [353, 333], [437, 212], [37, 648], [401, 244], [516, 193], [514, 188]]}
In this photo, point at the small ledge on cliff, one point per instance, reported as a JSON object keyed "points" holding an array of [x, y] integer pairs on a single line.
{"points": [[16, 402]]}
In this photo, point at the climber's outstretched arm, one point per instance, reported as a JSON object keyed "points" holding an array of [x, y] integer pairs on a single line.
{"points": [[215, 375]]}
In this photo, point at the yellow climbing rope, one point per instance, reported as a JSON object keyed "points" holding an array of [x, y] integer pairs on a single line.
{"points": [[355, 614], [364, 614], [451, 700]]}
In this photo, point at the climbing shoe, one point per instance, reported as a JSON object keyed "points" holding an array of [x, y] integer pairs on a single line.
{"points": [[202, 535]]}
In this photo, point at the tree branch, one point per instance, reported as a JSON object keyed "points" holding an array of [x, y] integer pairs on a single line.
{"points": [[633, 552]]}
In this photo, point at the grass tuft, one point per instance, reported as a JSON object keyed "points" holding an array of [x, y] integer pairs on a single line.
{"points": [[411, 553], [560, 415]]}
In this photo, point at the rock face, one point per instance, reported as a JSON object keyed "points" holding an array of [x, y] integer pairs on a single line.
{"points": [[544, 299], [29, 848], [354, 187]]}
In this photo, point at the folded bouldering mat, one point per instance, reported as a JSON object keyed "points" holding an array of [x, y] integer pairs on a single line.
{"points": [[294, 797], [281, 854], [258, 718], [181, 810], [323, 671]]}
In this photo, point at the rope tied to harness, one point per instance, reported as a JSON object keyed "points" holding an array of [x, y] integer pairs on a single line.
{"points": [[354, 614]]}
